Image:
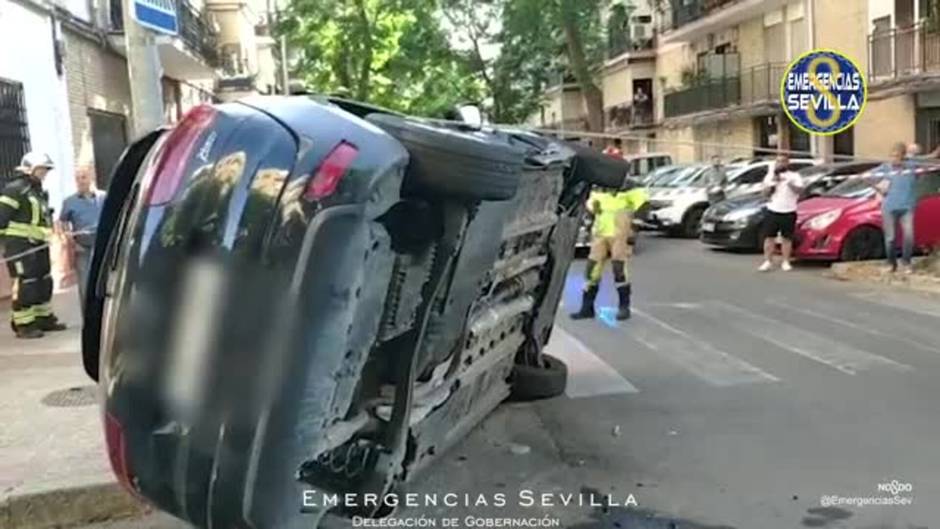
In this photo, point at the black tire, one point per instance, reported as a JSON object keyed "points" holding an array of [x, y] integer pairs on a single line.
{"points": [[598, 168], [467, 166], [864, 243], [543, 382], [692, 222]]}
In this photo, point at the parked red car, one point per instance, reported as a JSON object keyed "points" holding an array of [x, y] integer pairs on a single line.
{"points": [[844, 224]]}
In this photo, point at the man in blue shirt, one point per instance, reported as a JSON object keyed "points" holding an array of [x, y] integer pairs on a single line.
{"points": [[897, 192], [80, 213]]}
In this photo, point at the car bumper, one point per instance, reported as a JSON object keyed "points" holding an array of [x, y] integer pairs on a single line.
{"points": [[814, 245], [728, 235], [666, 218]]}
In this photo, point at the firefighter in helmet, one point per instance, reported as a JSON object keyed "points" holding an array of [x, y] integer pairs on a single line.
{"points": [[25, 230]]}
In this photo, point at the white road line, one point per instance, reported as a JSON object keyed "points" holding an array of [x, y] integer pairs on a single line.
{"points": [[826, 351], [853, 325], [588, 375], [714, 366], [910, 303]]}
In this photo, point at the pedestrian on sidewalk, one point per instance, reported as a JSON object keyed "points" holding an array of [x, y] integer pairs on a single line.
{"points": [[610, 240], [25, 229], [79, 221], [895, 185], [784, 188]]}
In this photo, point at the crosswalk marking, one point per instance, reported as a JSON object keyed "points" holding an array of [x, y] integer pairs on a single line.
{"points": [[853, 325], [716, 367], [813, 346], [588, 375]]}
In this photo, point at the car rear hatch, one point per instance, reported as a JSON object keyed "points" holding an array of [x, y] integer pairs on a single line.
{"points": [[182, 273]]}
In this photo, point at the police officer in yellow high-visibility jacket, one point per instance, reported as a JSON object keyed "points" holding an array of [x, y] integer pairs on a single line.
{"points": [[25, 230], [613, 227]]}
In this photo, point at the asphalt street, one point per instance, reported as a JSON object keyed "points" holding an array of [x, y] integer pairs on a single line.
{"points": [[732, 399]]}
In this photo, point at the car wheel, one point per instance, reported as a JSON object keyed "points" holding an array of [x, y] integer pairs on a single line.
{"points": [[692, 222], [539, 382], [597, 168], [452, 163], [863, 244]]}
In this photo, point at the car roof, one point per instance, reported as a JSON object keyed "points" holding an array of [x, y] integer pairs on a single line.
{"points": [[649, 155]]}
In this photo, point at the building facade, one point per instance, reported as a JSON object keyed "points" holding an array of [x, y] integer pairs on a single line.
{"points": [[719, 67], [628, 74], [902, 45]]}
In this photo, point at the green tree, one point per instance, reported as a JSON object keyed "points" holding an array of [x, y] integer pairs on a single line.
{"points": [[545, 42], [392, 53]]}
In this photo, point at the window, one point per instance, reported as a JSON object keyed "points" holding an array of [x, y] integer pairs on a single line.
{"points": [[14, 130], [754, 175], [843, 144]]}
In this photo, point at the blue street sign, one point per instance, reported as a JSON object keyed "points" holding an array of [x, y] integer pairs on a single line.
{"points": [[158, 15]]}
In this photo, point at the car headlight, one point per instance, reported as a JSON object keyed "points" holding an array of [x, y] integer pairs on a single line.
{"points": [[743, 213], [824, 220]]}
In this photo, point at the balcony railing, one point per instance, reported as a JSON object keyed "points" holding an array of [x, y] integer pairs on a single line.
{"points": [[635, 115], [193, 28], [686, 11], [620, 43], [754, 85], [901, 52]]}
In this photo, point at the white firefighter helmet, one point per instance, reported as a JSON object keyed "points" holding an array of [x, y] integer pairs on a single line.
{"points": [[34, 159]]}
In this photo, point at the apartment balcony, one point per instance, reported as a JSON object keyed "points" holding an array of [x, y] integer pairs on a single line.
{"points": [[627, 116], [192, 54], [754, 86], [619, 44], [903, 53], [693, 19]]}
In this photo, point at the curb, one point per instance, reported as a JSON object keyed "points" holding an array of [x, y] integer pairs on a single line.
{"points": [[69, 507], [915, 283]]}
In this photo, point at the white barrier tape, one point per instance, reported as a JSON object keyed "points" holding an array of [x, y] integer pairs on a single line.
{"points": [[41, 247]]}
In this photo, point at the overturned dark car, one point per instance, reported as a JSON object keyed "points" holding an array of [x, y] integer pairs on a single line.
{"points": [[295, 296]]}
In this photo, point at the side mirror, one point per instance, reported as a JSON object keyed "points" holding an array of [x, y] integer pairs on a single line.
{"points": [[471, 115]]}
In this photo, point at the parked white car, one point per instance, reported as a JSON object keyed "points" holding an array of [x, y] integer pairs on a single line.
{"points": [[679, 203]]}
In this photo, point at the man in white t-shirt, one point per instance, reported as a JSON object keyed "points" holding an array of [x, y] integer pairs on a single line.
{"points": [[784, 188]]}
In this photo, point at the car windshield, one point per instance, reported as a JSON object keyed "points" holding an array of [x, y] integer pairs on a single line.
{"points": [[660, 175], [853, 188], [688, 176]]}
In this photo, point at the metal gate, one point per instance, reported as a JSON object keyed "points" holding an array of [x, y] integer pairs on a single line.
{"points": [[14, 132]]}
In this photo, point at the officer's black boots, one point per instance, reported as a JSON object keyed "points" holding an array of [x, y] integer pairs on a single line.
{"points": [[587, 304], [50, 324], [624, 292], [29, 332]]}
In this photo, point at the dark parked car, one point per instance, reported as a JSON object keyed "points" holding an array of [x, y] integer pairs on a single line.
{"points": [[736, 222], [298, 299]]}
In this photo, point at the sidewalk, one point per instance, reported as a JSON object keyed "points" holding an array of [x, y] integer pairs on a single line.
{"points": [[924, 279], [53, 470]]}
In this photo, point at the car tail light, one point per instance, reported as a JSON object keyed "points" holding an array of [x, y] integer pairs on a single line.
{"points": [[117, 452], [331, 172], [177, 150]]}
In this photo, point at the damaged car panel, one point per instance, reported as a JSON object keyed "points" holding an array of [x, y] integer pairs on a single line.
{"points": [[300, 298]]}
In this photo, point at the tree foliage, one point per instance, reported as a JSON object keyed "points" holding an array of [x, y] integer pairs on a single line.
{"points": [[427, 56], [545, 43], [392, 53]]}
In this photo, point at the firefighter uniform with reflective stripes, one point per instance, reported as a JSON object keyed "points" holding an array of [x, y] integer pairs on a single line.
{"points": [[613, 227], [25, 229]]}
